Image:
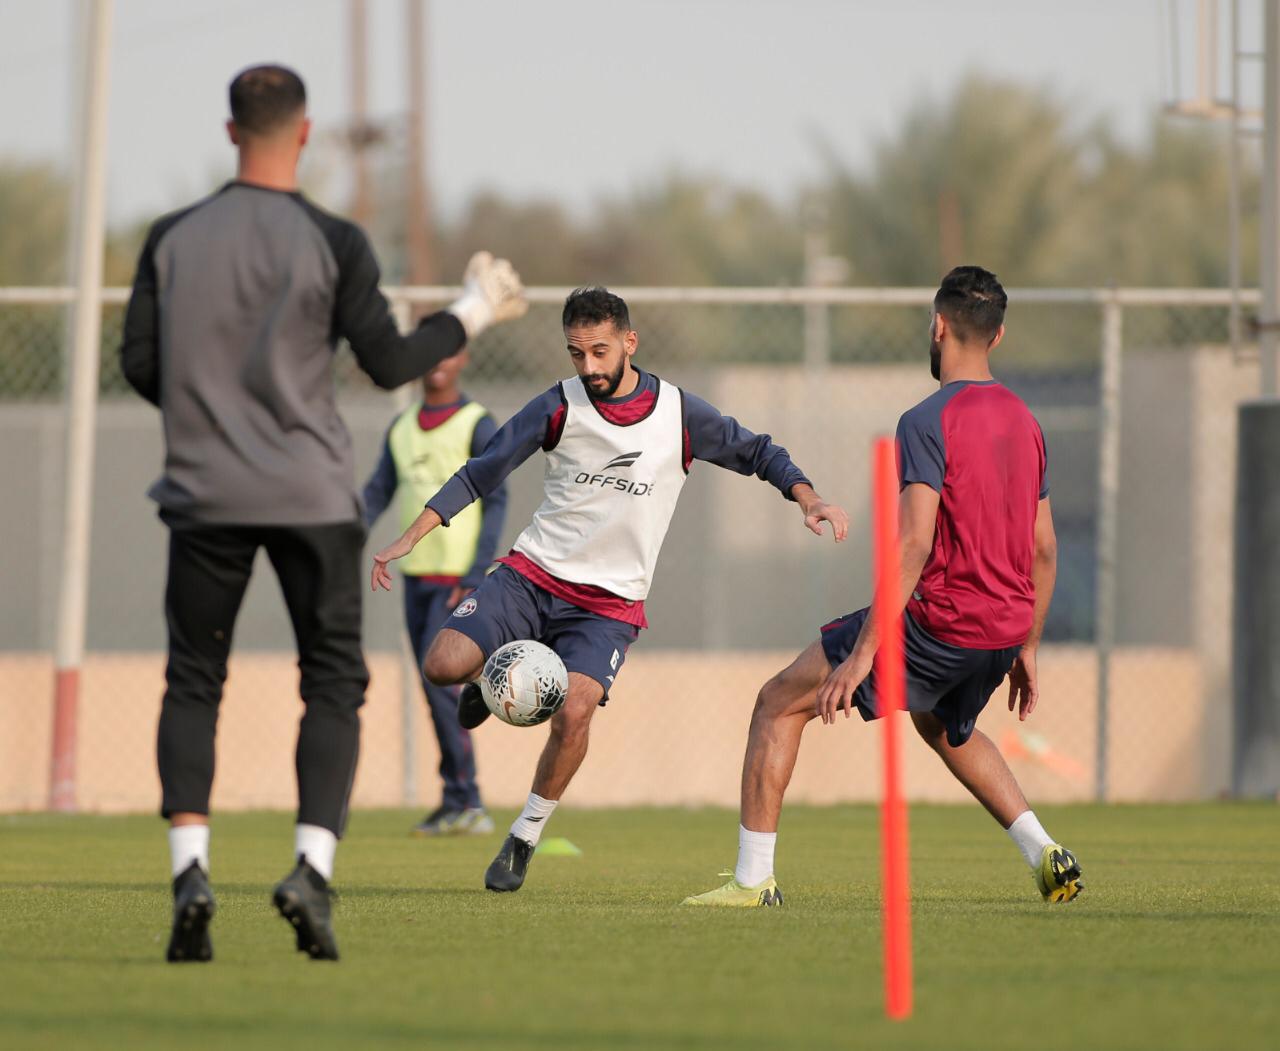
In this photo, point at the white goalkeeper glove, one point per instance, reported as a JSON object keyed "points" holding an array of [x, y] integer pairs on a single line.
{"points": [[491, 292]]}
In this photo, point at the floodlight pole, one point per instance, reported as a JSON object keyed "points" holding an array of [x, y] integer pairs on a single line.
{"points": [[421, 268], [82, 397], [362, 191], [1207, 56]]}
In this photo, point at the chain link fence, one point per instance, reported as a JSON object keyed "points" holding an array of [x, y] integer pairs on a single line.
{"points": [[1136, 392]]}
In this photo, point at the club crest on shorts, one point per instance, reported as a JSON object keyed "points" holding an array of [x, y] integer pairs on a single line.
{"points": [[466, 607]]}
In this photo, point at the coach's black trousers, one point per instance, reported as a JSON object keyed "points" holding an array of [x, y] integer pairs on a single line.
{"points": [[319, 572]]}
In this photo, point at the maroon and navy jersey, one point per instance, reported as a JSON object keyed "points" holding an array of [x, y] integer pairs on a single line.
{"points": [[980, 448]]}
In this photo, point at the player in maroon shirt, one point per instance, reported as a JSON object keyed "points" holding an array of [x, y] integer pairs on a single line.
{"points": [[978, 558]]}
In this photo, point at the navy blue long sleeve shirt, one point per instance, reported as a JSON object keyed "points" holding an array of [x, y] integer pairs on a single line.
{"points": [[381, 487]]}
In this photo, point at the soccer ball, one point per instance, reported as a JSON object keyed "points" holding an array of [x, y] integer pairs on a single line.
{"points": [[524, 683]]}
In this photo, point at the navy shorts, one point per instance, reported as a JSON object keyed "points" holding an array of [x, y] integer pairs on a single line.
{"points": [[508, 606], [952, 682]]}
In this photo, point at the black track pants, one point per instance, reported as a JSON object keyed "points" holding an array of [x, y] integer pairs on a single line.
{"points": [[319, 569]]}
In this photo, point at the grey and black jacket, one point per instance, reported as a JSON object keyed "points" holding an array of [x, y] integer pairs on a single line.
{"points": [[236, 310]]}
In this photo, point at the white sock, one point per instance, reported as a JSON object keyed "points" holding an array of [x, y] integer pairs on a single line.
{"points": [[318, 845], [188, 843], [1029, 837], [755, 856], [533, 818]]}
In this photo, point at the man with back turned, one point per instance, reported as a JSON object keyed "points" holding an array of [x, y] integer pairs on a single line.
{"points": [[236, 310]]}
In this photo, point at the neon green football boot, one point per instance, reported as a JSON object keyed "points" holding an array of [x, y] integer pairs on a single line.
{"points": [[734, 895], [1058, 876]]}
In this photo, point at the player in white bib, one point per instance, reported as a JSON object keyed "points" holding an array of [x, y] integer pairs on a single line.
{"points": [[619, 443]]}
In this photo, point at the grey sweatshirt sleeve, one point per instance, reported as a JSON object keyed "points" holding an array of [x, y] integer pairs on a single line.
{"points": [[723, 441], [363, 316], [516, 440]]}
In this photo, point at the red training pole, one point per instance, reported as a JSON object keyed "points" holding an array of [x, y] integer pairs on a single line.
{"points": [[891, 694]]}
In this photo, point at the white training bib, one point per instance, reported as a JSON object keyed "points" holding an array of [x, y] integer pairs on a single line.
{"points": [[610, 493]]}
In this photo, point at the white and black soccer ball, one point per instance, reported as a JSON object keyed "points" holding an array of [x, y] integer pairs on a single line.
{"points": [[524, 683]]}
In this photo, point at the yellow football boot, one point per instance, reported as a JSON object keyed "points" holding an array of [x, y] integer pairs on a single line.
{"points": [[734, 895], [1058, 876]]}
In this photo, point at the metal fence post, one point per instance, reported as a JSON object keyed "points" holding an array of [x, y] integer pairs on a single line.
{"points": [[1108, 500], [410, 673], [1269, 223], [817, 358]]}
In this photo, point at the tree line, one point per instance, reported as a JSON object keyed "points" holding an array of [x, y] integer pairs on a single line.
{"points": [[1000, 174]]}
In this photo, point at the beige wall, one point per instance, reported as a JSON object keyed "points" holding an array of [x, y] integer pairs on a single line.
{"points": [[673, 734]]}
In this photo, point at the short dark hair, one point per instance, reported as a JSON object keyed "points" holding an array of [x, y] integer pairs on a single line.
{"points": [[265, 97], [973, 301], [593, 304]]}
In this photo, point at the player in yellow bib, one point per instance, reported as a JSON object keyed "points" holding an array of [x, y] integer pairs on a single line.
{"points": [[425, 445]]}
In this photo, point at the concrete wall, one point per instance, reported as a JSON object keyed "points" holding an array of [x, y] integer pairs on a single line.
{"points": [[673, 733]]}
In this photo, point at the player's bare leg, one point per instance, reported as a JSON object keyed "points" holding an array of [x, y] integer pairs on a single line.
{"points": [[978, 765], [783, 708], [452, 658], [566, 747], [563, 753]]}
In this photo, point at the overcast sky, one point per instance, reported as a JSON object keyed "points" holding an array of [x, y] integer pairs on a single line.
{"points": [[571, 99]]}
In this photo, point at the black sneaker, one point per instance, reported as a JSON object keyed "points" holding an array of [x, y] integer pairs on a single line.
{"points": [[452, 821], [303, 898], [506, 871], [439, 822], [193, 907], [472, 710]]}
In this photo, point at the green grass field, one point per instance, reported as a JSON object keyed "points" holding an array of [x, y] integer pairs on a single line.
{"points": [[1174, 944]]}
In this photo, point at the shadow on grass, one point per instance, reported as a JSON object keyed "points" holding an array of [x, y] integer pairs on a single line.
{"points": [[344, 891], [264, 1029], [1110, 916], [27, 958]]}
